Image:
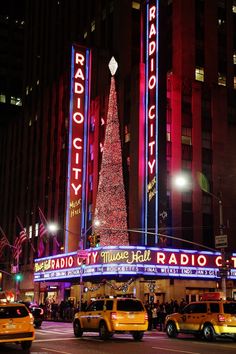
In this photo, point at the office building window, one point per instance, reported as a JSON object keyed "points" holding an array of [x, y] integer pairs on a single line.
{"points": [[136, 5], [93, 26], [199, 74], [206, 139], [234, 6], [234, 82], [2, 98], [187, 152], [17, 101], [168, 132], [186, 136], [221, 79], [206, 204], [234, 58]]}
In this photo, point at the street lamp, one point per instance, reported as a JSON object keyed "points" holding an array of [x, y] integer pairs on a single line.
{"points": [[183, 182], [52, 227]]}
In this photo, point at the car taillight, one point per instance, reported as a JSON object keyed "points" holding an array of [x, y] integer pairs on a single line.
{"points": [[31, 318], [221, 318], [41, 311], [113, 316], [146, 316]]}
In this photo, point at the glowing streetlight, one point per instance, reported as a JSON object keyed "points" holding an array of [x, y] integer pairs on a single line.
{"points": [[52, 227], [182, 181]]}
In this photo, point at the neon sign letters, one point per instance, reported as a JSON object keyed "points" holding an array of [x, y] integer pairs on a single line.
{"points": [[151, 118], [77, 152], [152, 261]]}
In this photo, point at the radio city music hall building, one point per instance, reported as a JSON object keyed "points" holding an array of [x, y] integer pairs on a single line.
{"points": [[176, 107]]}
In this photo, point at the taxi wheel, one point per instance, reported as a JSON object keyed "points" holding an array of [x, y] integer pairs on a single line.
{"points": [[171, 330], [137, 335], [77, 329], [26, 345], [208, 333], [103, 331]]}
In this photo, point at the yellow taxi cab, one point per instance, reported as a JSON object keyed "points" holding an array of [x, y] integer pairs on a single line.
{"points": [[113, 315], [208, 319], [16, 324]]}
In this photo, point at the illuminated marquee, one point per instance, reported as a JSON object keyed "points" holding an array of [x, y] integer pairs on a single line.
{"points": [[151, 115], [77, 152], [133, 260]]}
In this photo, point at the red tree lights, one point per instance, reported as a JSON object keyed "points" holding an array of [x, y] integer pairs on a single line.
{"points": [[110, 203]]}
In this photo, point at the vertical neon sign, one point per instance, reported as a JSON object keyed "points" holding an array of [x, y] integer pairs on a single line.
{"points": [[78, 141], [151, 117]]}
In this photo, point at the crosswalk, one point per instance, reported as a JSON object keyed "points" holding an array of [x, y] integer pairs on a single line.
{"points": [[50, 330], [66, 330]]}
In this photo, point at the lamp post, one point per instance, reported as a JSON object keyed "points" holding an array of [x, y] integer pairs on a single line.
{"points": [[183, 181]]}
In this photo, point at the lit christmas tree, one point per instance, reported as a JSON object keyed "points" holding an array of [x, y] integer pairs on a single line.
{"points": [[110, 208]]}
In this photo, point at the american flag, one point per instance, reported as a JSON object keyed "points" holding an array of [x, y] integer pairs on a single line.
{"points": [[3, 241], [18, 244], [42, 231]]}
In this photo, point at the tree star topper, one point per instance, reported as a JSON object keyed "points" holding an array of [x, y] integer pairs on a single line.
{"points": [[113, 66]]}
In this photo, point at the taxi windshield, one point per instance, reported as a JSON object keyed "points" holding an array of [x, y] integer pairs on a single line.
{"points": [[13, 312]]}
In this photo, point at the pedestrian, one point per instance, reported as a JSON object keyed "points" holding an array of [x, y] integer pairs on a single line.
{"points": [[154, 317]]}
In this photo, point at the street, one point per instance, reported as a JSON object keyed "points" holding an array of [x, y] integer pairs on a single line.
{"points": [[58, 337]]}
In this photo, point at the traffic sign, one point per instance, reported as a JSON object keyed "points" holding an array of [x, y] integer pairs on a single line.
{"points": [[221, 241]]}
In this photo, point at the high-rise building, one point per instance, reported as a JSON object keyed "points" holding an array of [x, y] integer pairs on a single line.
{"points": [[12, 23], [176, 83]]}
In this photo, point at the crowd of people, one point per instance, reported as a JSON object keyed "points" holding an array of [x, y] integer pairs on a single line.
{"points": [[64, 311], [157, 312]]}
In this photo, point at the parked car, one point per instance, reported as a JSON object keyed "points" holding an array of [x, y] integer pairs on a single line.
{"points": [[36, 311], [16, 324], [109, 316], [208, 319]]}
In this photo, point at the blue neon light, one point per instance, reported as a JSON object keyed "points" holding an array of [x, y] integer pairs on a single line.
{"points": [[69, 149]]}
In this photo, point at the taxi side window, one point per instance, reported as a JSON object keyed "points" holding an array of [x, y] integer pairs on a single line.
{"points": [[214, 308], [109, 305], [98, 305], [200, 308], [196, 308]]}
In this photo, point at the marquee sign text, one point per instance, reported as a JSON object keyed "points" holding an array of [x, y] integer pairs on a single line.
{"points": [[133, 260]]}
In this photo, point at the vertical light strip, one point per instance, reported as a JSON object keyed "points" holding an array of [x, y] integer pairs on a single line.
{"points": [[151, 119], [69, 149], [77, 151], [146, 129], [157, 122], [86, 139]]}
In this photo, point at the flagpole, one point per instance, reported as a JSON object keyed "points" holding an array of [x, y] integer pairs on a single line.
{"points": [[17, 270]]}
